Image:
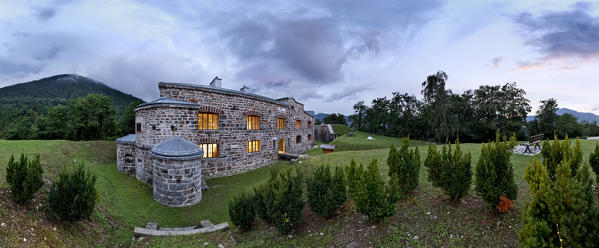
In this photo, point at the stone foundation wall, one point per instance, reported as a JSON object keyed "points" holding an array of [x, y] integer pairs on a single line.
{"points": [[125, 158], [177, 182], [143, 164]]}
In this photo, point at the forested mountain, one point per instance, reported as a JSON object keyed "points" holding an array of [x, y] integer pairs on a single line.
{"points": [[25, 107], [41, 94]]}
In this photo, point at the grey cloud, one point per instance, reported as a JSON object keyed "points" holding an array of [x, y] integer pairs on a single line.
{"points": [[346, 93], [496, 62], [44, 14], [570, 33]]}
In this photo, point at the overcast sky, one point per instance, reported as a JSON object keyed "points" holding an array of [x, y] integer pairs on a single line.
{"points": [[326, 54]]}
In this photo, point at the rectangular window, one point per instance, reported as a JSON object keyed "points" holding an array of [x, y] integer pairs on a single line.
{"points": [[298, 139], [281, 123], [210, 150], [253, 146], [253, 122], [207, 121], [298, 124], [138, 127]]}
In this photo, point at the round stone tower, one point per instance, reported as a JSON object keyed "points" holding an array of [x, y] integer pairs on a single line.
{"points": [[177, 172]]}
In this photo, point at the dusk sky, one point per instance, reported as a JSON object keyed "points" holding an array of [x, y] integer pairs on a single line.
{"points": [[326, 54]]}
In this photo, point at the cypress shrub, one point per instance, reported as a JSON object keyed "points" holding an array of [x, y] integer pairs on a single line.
{"points": [[565, 204], [24, 177], [326, 192], [494, 173], [449, 170], [73, 197], [354, 175], [555, 152], [373, 198], [241, 211], [404, 167], [279, 201], [594, 160]]}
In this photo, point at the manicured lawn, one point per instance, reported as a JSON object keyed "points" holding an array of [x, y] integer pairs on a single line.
{"points": [[125, 202]]}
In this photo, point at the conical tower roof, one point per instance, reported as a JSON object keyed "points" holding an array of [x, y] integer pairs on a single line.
{"points": [[177, 148]]}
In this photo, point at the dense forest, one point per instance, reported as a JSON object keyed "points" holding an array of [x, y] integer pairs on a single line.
{"points": [[475, 115], [65, 107]]}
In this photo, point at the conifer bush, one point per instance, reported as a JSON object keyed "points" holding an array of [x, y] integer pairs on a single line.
{"points": [[450, 171], [566, 202], [354, 176], [404, 167], [73, 197], [24, 177], [279, 201], [494, 172], [326, 191], [241, 211], [555, 152], [374, 198], [594, 161]]}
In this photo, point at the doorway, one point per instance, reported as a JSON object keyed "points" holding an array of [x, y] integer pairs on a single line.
{"points": [[281, 146]]}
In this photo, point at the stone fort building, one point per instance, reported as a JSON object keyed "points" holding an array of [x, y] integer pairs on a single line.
{"points": [[204, 131]]}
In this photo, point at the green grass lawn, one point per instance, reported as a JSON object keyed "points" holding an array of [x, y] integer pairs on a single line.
{"points": [[125, 202], [360, 141]]}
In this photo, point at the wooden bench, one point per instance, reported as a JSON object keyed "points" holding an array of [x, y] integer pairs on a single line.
{"points": [[534, 141]]}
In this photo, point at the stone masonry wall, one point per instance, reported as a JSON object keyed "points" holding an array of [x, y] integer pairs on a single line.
{"points": [[125, 158], [177, 182], [162, 122]]}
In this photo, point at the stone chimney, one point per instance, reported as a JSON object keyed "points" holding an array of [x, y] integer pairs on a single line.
{"points": [[245, 89], [216, 82]]}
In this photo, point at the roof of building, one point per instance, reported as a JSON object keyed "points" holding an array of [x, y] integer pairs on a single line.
{"points": [[225, 91], [310, 113], [177, 148], [129, 138], [327, 146], [167, 102]]}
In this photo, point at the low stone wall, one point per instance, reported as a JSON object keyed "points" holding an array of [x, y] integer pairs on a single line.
{"points": [[125, 158], [177, 182]]}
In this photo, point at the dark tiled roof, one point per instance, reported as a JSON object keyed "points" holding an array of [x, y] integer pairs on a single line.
{"points": [[129, 138], [310, 113], [225, 91], [167, 101], [177, 147]]}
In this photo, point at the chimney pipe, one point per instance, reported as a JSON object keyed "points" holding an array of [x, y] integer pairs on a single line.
{"points": [[245, 89], [216, 82]]}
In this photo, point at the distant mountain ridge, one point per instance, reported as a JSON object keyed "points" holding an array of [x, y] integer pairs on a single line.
{"points": [[60, 89], [581, 116]]}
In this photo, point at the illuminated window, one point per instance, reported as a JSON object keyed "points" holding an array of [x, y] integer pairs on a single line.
{"points": [[210, 150], [281, 123], [298, 124], [207, 121], [253, 146], [253, 122]]}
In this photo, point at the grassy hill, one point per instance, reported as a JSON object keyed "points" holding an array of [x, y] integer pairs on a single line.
{"points": [[59, 89], [125, 202]]}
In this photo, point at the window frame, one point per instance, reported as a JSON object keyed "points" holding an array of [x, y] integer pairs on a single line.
{"points": [[210, 124], [253, 146], [298, 124], [211, 147], [252, 122], [281, 123]]}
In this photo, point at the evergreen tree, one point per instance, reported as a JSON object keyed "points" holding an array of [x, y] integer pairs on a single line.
{"points": [[554, 153], [494, 172], [354, 176], [594, 160], [449, 170], [241, 211], [565, 203], [73, 197], [373, 198], [404, 167], [24, 177], [326, 192]]}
